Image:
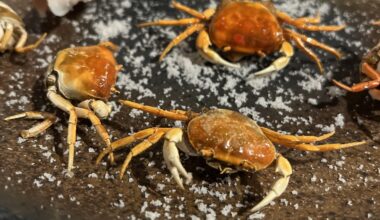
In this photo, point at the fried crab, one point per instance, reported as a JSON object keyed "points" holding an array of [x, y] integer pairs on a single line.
{"points": [[370, 67], [13, 35], [239, 28], [228, 140], [85, 76]]}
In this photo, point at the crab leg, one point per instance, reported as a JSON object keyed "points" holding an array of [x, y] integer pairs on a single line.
{"points": [[49, 119], [179, 22], [171, 156], [372, 84], [300, 142], [188, 10], [285, 169], [325, 147], [6, 37], [127, 140], [309, 20], [20, 48], [175, 115], [304, 26], [360, 86], [189, 31], [138, 149], [203, 44], [292, 139], [308, 52], [85, 113], [313, 42], [66, 106], [369, 71], [279, 64]]}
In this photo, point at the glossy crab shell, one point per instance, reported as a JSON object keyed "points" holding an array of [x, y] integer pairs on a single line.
{"points": [[86, 72], [246, 27], [235, 139]]}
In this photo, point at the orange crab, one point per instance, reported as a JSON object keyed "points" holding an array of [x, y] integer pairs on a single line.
{"points": [[370, 66], [228, 140], [85, 75], [240, 28]]}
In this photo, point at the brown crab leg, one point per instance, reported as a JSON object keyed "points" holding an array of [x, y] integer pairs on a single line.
{"points": [[123, 142], [66, 106], [369, 71], [49, 119], [180, 115], [20, 48], [189, 31], [140, 148], [360, 86], [308, 52], [85, 113], [293, 139], [314, 42], [188, 10], [304, 26], [309, 20], [372, 84], [326, 147], [179, 22]]}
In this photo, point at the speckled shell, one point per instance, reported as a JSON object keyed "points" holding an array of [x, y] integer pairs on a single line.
{"points": [[234, 138], [373, 57], [8, 14], [86, 72], [247, 27]]}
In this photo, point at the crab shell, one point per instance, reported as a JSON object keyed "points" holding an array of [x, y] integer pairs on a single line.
{"points": [[86, 72], [246, 27], [234, 139]]}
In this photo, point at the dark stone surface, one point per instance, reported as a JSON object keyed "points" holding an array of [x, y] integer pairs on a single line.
{"points": [[346, 183]]}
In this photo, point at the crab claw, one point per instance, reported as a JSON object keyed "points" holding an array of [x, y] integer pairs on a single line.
{"points": [[203, 45], [279, 64], [283, 166], [171, 156]]}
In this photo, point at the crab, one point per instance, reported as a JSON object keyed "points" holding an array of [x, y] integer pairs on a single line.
{"points": [[370, 67], [13, 35], [228, 140], [86, 76], [239, 28]]}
